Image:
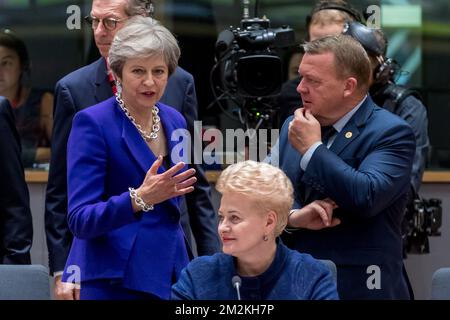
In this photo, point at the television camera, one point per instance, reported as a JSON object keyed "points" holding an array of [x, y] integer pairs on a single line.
{"points": [[423, 218], [251, 68]]}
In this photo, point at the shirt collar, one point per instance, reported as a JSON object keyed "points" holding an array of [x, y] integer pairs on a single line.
{"points": [[340, 124]]}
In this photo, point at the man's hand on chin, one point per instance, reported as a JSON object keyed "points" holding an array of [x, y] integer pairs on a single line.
{"points": [[304, 130]]}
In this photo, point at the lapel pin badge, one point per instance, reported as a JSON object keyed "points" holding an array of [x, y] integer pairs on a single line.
{"points": [[348, 134]]}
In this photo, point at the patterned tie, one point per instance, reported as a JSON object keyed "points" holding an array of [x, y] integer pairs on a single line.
{"points": [[327, 133]]}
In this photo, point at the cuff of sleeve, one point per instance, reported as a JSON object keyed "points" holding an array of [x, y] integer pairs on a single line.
{"points": [[308, 155], [288, 228], [57, 273]]}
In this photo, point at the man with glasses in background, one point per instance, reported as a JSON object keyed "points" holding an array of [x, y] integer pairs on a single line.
{"points": [[109, 24], [88, 86]]}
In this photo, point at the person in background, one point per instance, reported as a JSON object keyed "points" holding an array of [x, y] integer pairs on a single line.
{"points": [[32, 107], [90, 85], [256, 199], [397, 99], [350, 162], [16, 227], [124, 186]]}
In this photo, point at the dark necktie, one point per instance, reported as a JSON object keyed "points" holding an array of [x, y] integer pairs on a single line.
{"points": [[327, 133], [305, 190]]}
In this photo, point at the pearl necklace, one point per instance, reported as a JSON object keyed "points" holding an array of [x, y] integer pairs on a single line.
{"points": [[156, 120]]}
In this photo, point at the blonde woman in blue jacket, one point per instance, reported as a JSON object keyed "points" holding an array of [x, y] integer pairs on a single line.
{"points": [[255, 264]]}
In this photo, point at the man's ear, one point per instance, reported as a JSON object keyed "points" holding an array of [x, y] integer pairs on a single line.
{"points": [[350, 86]]}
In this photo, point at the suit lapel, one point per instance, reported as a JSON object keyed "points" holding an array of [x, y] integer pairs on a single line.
{"points": [[102, 89], [352, 129], [349, 133], [168, 127], [138, 147]]}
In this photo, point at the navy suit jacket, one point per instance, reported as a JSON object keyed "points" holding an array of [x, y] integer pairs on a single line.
{"points": [[16, 228], [410, 109], [105, 156], [88, 86], [366, 172]]}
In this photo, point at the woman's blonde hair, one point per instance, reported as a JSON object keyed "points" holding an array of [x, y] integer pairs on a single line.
{"points": [[266, 185]]}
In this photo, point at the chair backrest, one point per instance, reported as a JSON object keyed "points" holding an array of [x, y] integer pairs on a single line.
{"points": [[24, 282], [440, 284], [332, 266]]}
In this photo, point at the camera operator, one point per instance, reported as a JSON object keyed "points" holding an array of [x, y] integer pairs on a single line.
{"points": [[401, 101], [406, 104]]}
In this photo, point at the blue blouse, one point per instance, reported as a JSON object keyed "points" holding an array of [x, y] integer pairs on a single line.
{"points": [[291, 276]]}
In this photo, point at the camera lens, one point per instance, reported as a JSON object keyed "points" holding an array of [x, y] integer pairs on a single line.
{"points": [[259, 75]]}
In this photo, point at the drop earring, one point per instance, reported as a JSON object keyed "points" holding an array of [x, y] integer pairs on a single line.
{"points": [[118, 87]]}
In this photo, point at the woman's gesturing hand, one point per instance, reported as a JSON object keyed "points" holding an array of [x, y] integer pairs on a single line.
{"points": [[157, 188]]}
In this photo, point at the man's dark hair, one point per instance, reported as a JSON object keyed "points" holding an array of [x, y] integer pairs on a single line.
{"points": [[350, 57]]}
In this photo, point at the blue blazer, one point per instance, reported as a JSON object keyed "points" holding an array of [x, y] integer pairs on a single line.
{"points": [[366, 172], [291, 276], [105, 156], [86, 87]]}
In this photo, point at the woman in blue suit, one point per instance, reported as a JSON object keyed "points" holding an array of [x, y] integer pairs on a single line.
{"points": [[123, 188]]}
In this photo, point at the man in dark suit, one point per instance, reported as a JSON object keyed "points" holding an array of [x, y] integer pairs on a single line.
{"points": [[335, 17], [16, 228], [350, 162], [90, 85]]}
